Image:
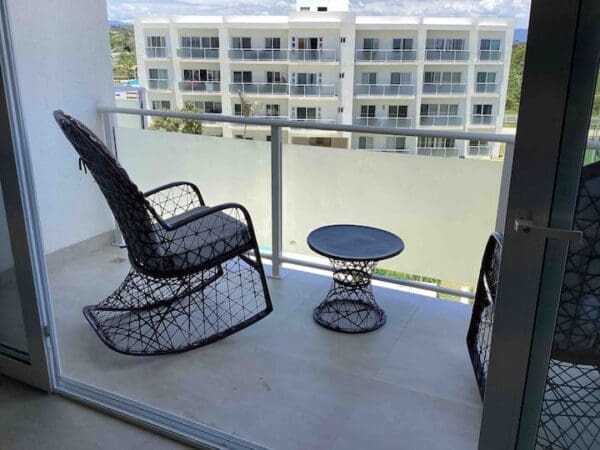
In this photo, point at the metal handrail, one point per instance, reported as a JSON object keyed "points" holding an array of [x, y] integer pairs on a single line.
{"points": [[463, 135]]}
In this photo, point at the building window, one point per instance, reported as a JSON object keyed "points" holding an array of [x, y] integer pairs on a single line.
{"points": [[307, 78], [489, 49], [319, 141], [370, 44], [274, 77], [369, 78], [395, 143], [307, 43], [237, 109], [482, 114], [445, 44], [241, 42], [156, 47], [400, 78], [242, 77], [402, 44], [397, 111], [273, 43], [304, 8], [272, 110], [322, 8], [207, 107], [365, 142], [435, 142], [367, 111], [159, 105], [158, 78], [486, 82], [199, 42], [428, 109], [201, 75], [306, 113]]}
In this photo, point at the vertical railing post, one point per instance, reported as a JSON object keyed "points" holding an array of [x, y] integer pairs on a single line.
{"points": [[109, 139], [276, 200], [504, 188]]}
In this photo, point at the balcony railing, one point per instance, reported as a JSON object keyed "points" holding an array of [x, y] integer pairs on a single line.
{"points": [[260, 88], [394, 122], [254, 54], [441, 121], [200, 86], [444, 88], [444, 152], [156, 52], [480, 150], [158, 84], [490, 55], [313, 90], [483, 119], [198, 53], [278, 175], [486, 88], [313, 119], [386, 55], [446, 55], [319, 55], [393, 90]]}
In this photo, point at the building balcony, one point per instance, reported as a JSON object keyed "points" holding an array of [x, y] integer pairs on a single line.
{"points": [[490, 55], [441, 121], [314, 119], [313, 90], [447, 55], [391, 90], [200, 86], [485, 120], [159, 85], [484, 150], [442, 152], [393, 56], [197, 53], [313, 56], [262, 54], [260, 88], [156, 52], [486, 88], [386, 122], [444, 88]]}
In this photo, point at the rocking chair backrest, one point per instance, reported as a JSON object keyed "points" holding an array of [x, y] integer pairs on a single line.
{"points": [[129, 206], [577, 334]]}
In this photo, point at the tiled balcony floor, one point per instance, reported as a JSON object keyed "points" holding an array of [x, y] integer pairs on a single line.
{"points": [[285, 382]]}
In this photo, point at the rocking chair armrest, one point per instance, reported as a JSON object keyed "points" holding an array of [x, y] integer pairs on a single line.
{"points": [[174, 198], [174, 225]]}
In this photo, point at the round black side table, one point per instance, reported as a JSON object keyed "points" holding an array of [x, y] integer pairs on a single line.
{"points": [[354, 251]]}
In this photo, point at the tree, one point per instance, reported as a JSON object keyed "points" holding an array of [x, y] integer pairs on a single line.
{"points": [[176, 125], [248, 108], [515, 78], [125, 66]]}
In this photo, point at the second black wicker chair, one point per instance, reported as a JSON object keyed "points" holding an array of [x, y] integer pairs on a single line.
{"points": [[196, 272]]}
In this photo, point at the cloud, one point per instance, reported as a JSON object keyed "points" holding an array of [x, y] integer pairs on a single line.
{"points": [[518, 10]]}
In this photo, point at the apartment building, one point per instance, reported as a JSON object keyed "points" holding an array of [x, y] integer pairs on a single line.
{"points": [[324, 63]]}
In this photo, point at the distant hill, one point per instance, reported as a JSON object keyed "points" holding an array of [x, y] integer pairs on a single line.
{"points": [[520, 35], [118, 24]]}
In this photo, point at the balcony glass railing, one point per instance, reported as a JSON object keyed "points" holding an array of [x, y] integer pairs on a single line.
{"points": [[198, 53], [260, 88], [490, 55], [156, 52], [158, 84], [486, 88], [446, 55], [313, 90], [441, 121], [387, 122], [385, 55], [444, 152], [482, 119], [444, 88], [480, 150], [253, 54], [314, 119], [200, 86], [320, 55], [384, 89]]}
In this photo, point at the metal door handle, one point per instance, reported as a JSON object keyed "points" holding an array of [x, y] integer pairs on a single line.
{"points": [[527, 226]]}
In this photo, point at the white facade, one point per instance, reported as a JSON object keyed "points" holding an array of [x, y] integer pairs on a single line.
{"points": [[334, 66]]}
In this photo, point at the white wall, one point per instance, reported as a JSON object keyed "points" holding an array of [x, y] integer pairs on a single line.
{"points": [[63, 62]]}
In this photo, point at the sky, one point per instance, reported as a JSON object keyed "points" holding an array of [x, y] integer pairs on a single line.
{"points": [[518, 10]]}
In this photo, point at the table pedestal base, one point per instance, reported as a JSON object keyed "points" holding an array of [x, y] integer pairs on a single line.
{"points": [[350, 305]]}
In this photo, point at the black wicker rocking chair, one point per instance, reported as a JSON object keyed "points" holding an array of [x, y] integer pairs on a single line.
{"points": [[570, 414], [196, 273]]}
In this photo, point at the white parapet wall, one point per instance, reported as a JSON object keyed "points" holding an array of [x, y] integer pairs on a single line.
{"points": [[443, 208]]}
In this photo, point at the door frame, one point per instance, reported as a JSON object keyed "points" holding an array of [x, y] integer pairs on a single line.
{"points": [[555, 109], [16, 177]]}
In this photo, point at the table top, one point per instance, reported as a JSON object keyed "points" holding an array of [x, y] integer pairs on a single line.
{"points": [[354, 243]]}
